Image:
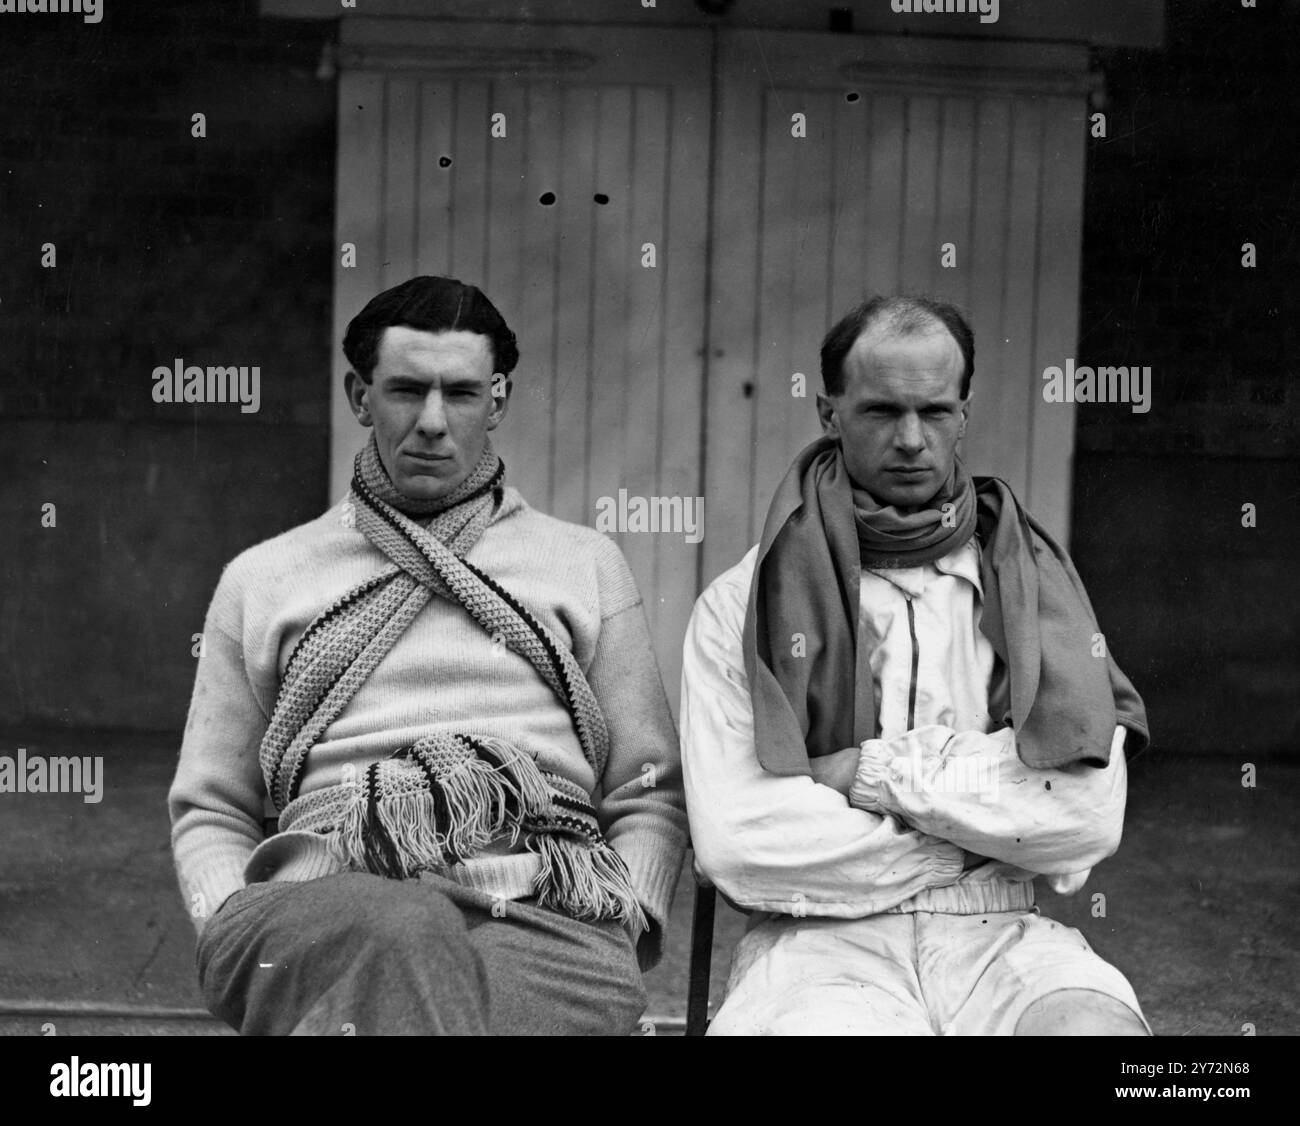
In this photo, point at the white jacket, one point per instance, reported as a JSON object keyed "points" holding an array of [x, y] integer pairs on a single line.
{"points": [[943, 816]]}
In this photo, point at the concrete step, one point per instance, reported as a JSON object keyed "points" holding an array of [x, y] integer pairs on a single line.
{"points": [[37, 1019]]}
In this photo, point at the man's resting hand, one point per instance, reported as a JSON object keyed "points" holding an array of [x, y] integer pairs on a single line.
{"points": [[837, 770]]}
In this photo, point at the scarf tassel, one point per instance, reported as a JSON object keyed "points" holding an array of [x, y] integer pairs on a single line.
{"points": [[586, 882], [395, 827]]}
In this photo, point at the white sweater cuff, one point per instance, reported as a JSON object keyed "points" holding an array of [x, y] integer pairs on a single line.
{"points": [[868, 788]]}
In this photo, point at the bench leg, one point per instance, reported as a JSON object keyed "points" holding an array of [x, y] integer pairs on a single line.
{"points": [[697, 998]]}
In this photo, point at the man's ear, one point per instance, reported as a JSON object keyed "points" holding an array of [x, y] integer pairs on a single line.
{"points": [[501, 388], [965, 412], [826, 413], [358, 392]]}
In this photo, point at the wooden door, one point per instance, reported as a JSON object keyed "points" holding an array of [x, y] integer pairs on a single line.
{"points": [[907, 145], [599, 161]]}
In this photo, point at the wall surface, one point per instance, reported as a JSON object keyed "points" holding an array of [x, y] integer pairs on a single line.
{"points": [[1201, 157], [215, 250]]}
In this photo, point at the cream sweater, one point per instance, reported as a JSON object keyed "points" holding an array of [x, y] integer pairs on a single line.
{"points": [[444, 674]]}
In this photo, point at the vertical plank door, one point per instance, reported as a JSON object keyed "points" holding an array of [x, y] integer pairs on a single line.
{"points": [[906, 145], [605, 150]]}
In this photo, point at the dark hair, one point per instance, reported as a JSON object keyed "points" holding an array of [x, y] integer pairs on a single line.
{"points": [[906, 315], [431, 305]]}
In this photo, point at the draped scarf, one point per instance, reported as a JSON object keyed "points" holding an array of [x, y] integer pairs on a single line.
{"points": [[440, 800], [1066, 692]]}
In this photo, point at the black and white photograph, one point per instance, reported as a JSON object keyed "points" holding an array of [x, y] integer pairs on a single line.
{"points": [[650, 518]]}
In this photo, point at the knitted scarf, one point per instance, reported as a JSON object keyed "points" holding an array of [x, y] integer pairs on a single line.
{"points": [[441, 799], [1064, 702]]}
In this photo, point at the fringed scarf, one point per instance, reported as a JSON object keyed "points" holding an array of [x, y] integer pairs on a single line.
{"points": [[1065, 701], [442, 799]]}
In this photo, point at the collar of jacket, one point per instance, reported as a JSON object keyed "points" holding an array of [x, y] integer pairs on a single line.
{"points": [[963, 563]]}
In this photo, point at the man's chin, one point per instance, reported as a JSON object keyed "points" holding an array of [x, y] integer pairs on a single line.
{"points": [[908, 498], [427, 486]]}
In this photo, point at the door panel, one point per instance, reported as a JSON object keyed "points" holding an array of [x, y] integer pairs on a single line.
{"points": [[606, 149], [909, 145]]}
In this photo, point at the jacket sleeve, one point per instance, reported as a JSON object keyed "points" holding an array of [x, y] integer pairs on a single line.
{"points": [[972, 789], [771, 842], [641, 809]]}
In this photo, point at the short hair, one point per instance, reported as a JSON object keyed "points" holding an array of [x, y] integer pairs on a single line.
{"points": [[905, 315], [430, 304]]}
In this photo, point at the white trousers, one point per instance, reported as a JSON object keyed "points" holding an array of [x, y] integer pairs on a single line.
{"points": [[919, 974]]}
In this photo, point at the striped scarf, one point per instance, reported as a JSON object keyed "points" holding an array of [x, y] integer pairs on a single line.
{"points": [[438, 801]]}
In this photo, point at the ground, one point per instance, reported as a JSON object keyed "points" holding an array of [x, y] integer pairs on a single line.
{"points": [[1200, 901]]}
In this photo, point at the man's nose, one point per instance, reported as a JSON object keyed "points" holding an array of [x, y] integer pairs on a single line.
{"points": [[433, 416], [908, 435]]}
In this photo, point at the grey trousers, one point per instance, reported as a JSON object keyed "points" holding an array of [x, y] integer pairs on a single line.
{"points": [[357, 954]]}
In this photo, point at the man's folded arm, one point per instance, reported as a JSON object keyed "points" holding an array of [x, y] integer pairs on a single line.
{"points": [[972, 789], [216, 798], [772, 842]]}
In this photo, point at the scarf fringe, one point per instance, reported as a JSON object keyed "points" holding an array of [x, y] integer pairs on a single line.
{"points": [[396, 826], [416, 826], [586, 882], [528, 780]]}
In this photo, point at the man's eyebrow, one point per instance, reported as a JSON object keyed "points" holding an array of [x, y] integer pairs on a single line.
{"points": [[871, 401], [458, 382]]}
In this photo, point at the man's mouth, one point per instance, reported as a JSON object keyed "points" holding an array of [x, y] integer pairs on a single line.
{"points": [[428, 457], [906, 471]]}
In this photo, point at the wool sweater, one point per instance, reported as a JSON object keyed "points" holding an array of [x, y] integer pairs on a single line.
{"points": [[445, 673]]}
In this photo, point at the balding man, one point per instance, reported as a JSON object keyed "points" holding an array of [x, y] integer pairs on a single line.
{"points": [[896, 711]]}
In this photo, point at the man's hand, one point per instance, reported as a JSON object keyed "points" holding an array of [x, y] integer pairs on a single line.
{"points": [[837, 770]]}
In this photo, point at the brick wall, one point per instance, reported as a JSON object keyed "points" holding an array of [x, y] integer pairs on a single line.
{"points": [[216, 250], [1201, 158]]}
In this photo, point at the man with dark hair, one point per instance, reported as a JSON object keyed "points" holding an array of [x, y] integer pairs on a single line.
{"points": [[450, 703], [897, 710]]}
